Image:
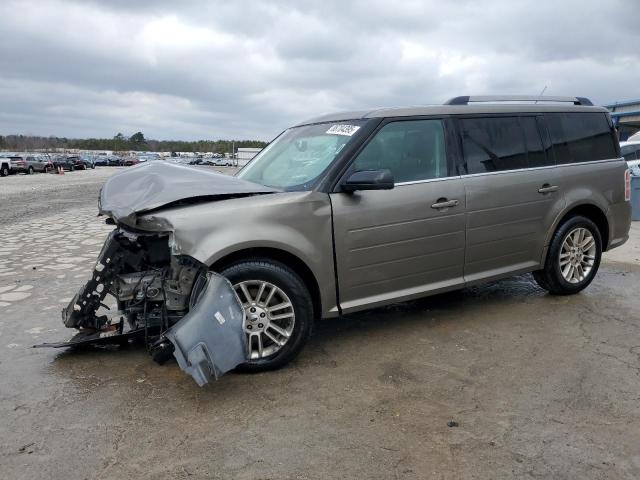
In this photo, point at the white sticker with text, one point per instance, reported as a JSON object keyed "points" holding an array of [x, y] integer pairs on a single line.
{"points": [[347, 130]]}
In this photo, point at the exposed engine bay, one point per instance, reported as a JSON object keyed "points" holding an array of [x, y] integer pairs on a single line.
{"points": [[171, 301], [152, 287]]}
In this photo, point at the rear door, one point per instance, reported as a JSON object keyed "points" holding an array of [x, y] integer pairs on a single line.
{"points": [[400, 243], [512, 193]]}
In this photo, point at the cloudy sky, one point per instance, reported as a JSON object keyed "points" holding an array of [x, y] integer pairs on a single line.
{"points": [[248, 69]]}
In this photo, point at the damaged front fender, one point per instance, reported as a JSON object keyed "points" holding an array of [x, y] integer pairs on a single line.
{"points": [[209, 341]]}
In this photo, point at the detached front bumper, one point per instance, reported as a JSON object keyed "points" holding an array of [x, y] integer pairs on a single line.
{"points": [[171, 301]]}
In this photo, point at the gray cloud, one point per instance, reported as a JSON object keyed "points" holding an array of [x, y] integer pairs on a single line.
{"points": [[248, 69]]}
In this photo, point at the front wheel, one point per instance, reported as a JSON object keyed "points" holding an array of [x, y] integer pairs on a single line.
{"points": [[4, 171], [30, 171], [573, 258], [278, 308]]}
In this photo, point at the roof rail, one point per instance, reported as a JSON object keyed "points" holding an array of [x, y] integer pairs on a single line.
{"points": [[516, 98]]}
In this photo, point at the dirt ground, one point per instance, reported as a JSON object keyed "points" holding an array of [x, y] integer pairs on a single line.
{"points": [[538, 386]]}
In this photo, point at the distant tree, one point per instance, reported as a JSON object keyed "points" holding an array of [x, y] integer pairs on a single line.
{"points": [[120, 142], [137, 139]]}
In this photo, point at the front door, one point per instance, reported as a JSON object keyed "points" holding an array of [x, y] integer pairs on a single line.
{"points": [[398, 244]]}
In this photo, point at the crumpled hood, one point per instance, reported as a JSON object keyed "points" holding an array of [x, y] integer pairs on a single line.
{"points": [[155, 184]]}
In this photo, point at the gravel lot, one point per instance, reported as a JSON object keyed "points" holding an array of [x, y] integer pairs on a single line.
{"points": [[539, 386]]}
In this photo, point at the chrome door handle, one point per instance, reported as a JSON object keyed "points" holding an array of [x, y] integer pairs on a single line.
{"points": [[444, 203], [546, 188]]}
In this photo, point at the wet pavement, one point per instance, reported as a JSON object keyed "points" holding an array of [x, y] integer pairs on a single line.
{"points": [[538, 386]]}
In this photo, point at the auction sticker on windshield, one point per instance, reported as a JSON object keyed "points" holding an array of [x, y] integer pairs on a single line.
{"points": [[347, 130]]}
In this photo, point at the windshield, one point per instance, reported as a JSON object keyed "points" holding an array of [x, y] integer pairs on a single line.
{"points": [[295, 159]]}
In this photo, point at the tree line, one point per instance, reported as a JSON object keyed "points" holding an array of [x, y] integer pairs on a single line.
{"points": [[120, 142]]}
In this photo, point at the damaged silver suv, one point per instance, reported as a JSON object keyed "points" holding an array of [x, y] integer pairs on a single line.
{"points": [[356, 210]]}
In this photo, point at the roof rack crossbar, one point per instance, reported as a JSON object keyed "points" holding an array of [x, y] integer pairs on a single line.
{"points": [[465, 100]]}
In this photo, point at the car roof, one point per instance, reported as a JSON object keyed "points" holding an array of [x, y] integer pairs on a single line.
{"points": [[426, 110]]}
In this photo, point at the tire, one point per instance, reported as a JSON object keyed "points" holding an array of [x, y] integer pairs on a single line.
{"points": [[258, 271], [4, 171], [30, 171], [551, 277], [72, 168]]}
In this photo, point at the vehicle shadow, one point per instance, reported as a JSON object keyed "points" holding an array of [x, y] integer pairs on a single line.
{"points": [[443, 307]]}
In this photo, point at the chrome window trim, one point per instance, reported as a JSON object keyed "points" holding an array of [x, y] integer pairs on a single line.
{"points": [[427, 180], [574, 164]]}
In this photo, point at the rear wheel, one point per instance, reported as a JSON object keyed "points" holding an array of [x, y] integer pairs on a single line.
{"points": [[30, 171], [279, 311], [573, 258]]}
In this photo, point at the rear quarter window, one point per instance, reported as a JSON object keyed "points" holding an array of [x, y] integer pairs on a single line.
{"points": [[581, 137]]}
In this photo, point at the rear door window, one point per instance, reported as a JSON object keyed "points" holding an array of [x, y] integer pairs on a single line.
{"points": [[412, 150], [493, 144], [536, 154], [581, 137]]}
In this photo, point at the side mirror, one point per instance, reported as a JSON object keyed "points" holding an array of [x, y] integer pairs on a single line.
{"points": [[369, 180]]}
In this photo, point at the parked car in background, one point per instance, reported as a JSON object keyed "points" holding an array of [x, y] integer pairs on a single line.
{"points": [[78, 162], [148, 157], [5, 166], [180, 160], [88, 161], [18, 164], [130, 161], [38, 163], [631, 152], [64, 161], [115, 161], [223, 162]]}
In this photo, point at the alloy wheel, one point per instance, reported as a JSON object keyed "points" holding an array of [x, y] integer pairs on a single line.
{"points": [[577, 255], [270, 317]]}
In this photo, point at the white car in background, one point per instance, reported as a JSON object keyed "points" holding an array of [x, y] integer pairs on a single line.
{"points": [[631, 152], [148, 157], [634, 138], [223, 162]]}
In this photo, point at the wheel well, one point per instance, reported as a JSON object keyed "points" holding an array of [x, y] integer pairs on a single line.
{"points": [[596, 215], [281, 256]]}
